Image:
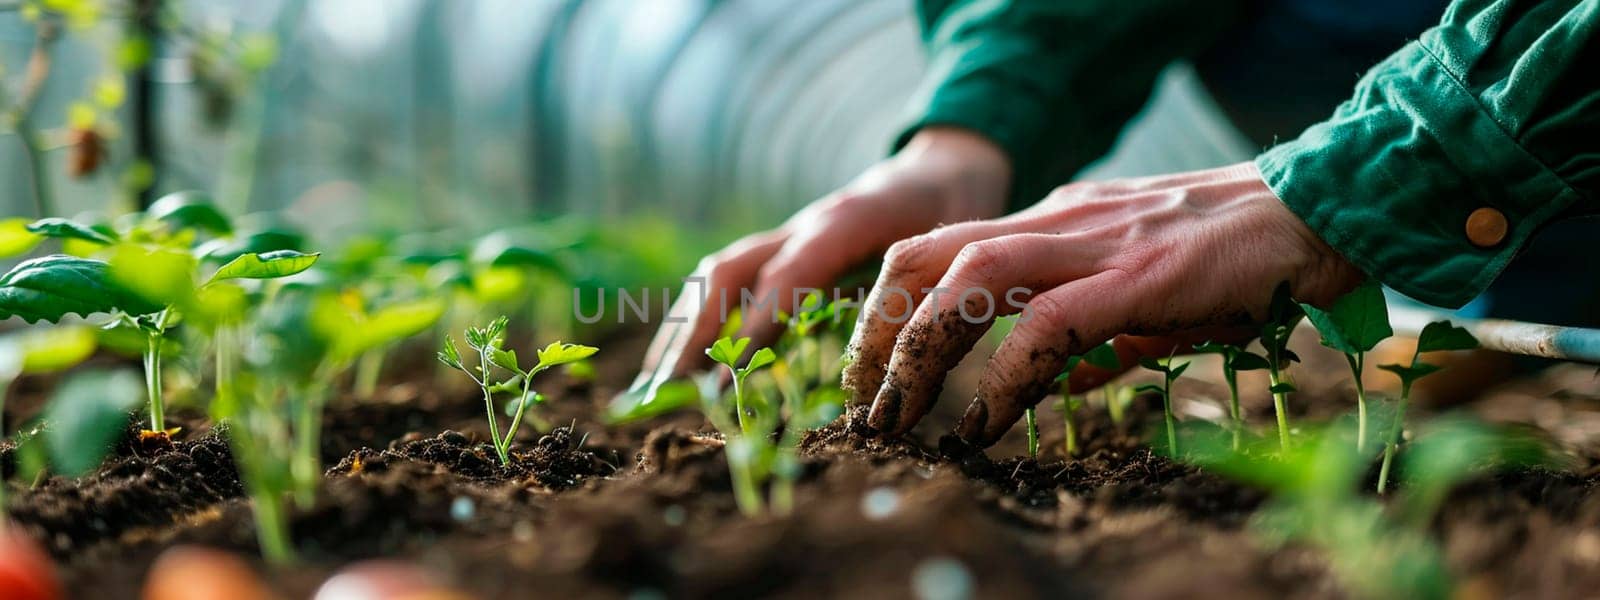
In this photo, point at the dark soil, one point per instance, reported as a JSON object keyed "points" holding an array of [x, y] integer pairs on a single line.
{"points": [[591, 510]]}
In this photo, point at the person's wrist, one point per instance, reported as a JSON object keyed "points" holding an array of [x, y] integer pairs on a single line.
{"points": [[972, 171]]}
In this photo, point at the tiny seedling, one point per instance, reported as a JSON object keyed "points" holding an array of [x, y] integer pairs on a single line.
{"points": [[489, 343], [1169, 373], [1435, 337], [1102, 357], [1281, 320], [727, 351], [1234, 360], [1354, 325]]}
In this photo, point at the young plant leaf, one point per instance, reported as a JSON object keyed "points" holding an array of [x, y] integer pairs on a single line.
{"points": [[86, 414], [1442, 335], [59, 228], [159, 275], [1154, 364], [52, 287], [266, 265], [1356, 322], [727, 351], [1104, 357], [1150, 388], [15, 239], [53, 349], [761, 358], [389, 324], [1248, 361], [505, 359], [558, 353], [1411, 374], [1283, 387], [1174, 372], [449, 355], [190, 210]]}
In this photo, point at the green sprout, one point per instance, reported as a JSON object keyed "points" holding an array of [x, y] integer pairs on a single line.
{"points": [[1169, 374], [727, 351], [1283, 315], [1234, 360], [489, 343], [1354, 325], [1435, 337], [1102, 357]]}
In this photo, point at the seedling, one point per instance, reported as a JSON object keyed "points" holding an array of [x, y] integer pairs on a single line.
{"points": [[489, 343], [727, 351], [1354, 325], [35, 352], [1103, 357], [1435, 337], [1282, 318], [1169, 373], [1234, 360]]}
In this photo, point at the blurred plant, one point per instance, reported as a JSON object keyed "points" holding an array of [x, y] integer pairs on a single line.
{"points": [[1375, 552], [1102, 357], [1169, 373], [1234, 360], [489, 343], [35, 352], [1354, 325], [1435, 337]]}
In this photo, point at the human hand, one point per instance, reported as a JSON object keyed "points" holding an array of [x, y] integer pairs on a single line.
{"points": [[942, 176], [1185, 257]]}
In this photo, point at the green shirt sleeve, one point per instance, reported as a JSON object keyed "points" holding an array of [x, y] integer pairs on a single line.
{"points": [[1497, 107], [1052, 82]]}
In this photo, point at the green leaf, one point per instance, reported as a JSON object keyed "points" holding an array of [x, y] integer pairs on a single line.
{"points": [[86, 414], [1248, 361], [53, 349], [727, 351], [1177, 371], [1442, 335], [159, 275], [643, 403], [1150, 388], [1104, 357], [391, 324], [449, 355], [1410, 374], [190, 210], [1282, 387], [505, 359], [761, 358], [51, 287], [500, 250], [266, 265], [558, 353], [253, 242], [57, 227], [1154, 364], [533, 399], [1356, 322], [15, 239]]}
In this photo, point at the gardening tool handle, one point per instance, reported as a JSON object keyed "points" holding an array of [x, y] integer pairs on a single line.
{"points": [[1516, 337]]}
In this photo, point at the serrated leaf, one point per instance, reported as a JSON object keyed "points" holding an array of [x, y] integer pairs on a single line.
{"points": [[57, 227], [1443, 335], [266, 265], [505, 359], [1356, 322], [190, 210], [51, 287], [85, 415], [761, 358], [448, 353], [15, 239], [558, 353]]}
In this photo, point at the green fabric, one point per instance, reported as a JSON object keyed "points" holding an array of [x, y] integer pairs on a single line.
{"points": [[1052, 82], [1498, 106]]}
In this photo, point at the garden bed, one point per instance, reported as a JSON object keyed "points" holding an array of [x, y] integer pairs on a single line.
{"points": [[612, 511]]}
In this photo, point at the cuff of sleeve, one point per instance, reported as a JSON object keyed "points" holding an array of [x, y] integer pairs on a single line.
{"points": [[1390, 180], [970, 88]]}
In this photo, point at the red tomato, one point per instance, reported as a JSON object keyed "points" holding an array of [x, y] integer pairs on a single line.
{"points": [[26, 572]]}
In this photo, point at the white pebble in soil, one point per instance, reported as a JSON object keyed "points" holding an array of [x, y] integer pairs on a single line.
{"points": [[879, 503], [462, 509], [941, 578]]}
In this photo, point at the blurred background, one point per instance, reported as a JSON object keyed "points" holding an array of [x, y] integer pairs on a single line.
{"points": [[431, 112]]}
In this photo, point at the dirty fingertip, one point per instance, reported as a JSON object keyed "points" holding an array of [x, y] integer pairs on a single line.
{"points": [[974, 424], [885, 415]]}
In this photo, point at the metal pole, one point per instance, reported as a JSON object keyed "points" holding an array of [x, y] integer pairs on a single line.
{"points": [[1516, 337]]}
